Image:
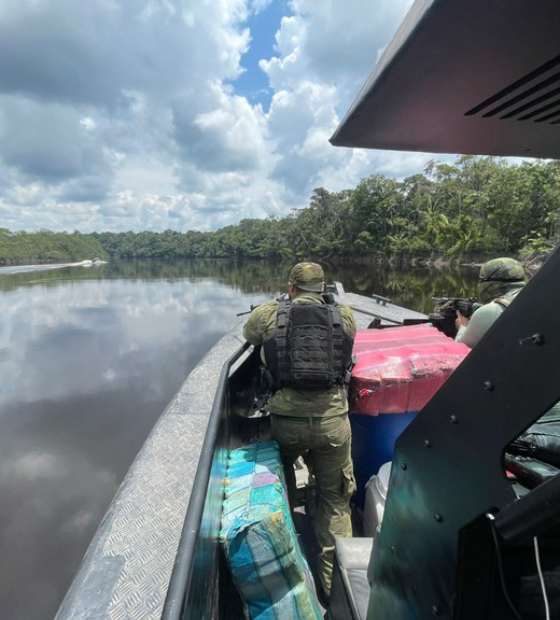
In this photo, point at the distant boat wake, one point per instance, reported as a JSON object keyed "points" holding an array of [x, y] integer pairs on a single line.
{"points": [[32, 268]]}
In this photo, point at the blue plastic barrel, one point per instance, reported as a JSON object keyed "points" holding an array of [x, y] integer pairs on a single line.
{"points": [[373, 441]]}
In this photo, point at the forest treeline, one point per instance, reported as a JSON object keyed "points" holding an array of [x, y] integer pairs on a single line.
{"points": [[46, 246], [475, 206]]}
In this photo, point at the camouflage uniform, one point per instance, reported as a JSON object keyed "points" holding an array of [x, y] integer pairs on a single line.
{"points": [[314, 423], [500, 280]]}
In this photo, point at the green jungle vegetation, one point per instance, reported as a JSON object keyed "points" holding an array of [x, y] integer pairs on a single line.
{"points": [[47, 247], [476, 206]]}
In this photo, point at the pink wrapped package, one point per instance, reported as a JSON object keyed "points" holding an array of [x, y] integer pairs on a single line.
{"points": [[399, 369]]}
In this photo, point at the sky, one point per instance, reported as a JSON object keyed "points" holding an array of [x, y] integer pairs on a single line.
{"points": [[182, 114]]}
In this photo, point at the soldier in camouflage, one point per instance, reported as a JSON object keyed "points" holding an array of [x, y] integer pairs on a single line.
{"points": [[314, 423], [500, 280]]}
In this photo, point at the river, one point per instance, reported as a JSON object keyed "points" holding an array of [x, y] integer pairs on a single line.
{"points": [[89, 358]]}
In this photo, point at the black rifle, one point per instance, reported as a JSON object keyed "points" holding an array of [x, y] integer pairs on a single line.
{"points": [[446, 312], [465, 305], [251, 308], [327, 297]]}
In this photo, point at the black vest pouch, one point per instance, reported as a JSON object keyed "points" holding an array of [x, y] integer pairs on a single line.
{"points": [[309, 350]]}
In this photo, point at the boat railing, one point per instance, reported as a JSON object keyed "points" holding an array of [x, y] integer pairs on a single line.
{"points": [[196, 580]]}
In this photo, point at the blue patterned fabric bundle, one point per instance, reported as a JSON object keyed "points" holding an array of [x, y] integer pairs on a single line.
{"points": [[260, 541]]}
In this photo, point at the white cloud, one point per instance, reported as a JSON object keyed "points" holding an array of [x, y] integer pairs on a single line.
{"points": [[124, 115], [333, 42], [325, 53], [258, 6], [227, 134]]}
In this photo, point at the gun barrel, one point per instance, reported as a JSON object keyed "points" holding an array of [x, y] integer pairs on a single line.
{"points": [[251, 308]]}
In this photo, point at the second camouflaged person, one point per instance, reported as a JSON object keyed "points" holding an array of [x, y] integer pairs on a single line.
{"points": [[307, 346], [499, 282]]}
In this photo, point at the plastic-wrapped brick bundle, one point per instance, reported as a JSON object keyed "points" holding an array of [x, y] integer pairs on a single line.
{"points": [[401, 368], [260, 541]]}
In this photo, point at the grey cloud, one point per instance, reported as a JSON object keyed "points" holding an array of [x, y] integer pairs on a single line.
{"points": [[53, 51], [211, 184], [209, 147], [6, 179], [110, 209], [92, 52], [296, 173], [87, 189], [213, 209], [46, 141]]}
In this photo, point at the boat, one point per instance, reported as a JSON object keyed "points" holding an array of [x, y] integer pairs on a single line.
{"points": [[156, 553], [459, 538]]}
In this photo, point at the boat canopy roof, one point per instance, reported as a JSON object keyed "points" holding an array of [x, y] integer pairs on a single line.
{"points": [[476, 76]]}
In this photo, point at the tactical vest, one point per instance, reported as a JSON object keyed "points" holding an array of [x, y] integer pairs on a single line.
{"points": [[309, 349]]}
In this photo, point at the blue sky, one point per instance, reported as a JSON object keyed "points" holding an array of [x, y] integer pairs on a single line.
{"points": [[253, 82], [155, 114]]}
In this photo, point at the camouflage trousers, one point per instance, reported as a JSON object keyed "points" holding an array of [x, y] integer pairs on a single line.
{"points": [[327, 443]]}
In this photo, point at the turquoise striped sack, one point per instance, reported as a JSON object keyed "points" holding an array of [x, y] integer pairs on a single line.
{"points": [[260, 541]]}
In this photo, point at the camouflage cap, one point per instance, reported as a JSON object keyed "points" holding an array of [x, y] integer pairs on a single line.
{"points": [[502, 270], [308, 277], [498, 277]]}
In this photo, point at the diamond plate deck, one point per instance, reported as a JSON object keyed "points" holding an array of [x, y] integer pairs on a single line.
{"points": [[125, 573]]}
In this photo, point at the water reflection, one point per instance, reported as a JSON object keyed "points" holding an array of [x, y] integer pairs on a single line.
{"points": [[88, 360], [411, 288]]}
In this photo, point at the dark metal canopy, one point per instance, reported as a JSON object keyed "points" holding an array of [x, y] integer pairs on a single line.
{"points": [[465, 76]]}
